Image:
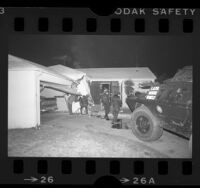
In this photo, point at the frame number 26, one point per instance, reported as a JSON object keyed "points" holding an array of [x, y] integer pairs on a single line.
{"points": [[45, 179]]}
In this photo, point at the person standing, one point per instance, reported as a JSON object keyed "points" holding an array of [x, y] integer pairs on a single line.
{"points": [[71, 99], [116, 103], [90, 105], [105, 100], [84, 104]]}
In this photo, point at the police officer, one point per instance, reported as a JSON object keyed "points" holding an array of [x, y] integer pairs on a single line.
{"points": [[105, 100], [84, 103], [116, 105]]}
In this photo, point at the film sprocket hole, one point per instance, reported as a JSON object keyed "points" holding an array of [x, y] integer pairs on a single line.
{"points": [[94, 99]]}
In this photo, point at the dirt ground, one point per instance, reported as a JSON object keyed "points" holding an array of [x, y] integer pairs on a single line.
{"points": [[62, 135]]}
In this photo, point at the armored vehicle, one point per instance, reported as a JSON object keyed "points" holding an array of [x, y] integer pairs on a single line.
{"points": [[165, 106]]}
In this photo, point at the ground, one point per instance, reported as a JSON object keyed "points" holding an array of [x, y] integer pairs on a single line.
{"points": [[62, 135]]}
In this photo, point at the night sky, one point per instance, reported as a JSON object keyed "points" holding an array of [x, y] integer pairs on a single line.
{"points": [[162, 54]]}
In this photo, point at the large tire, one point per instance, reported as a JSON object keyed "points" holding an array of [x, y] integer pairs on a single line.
{"points": [[190, 145], [145, 125]]}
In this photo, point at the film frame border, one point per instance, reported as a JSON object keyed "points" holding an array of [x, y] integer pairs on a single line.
{"points": [[184, 169]]}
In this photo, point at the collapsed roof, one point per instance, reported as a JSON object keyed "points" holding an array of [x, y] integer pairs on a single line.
{"points": [[67, 71]]}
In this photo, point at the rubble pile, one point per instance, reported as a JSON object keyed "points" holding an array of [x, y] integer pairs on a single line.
{"points": [[184, 74]]}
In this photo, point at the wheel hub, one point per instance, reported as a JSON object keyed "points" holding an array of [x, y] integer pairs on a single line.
{"points": [[143, 124]]}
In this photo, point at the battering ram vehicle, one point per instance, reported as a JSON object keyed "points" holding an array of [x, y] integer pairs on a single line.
{"points": [[165, 106]]}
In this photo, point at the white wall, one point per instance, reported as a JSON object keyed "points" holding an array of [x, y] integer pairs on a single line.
{"points": [[21, 99]]}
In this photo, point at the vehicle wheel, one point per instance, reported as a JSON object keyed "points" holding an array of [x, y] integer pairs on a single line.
{"points": [[190, 145], [145, 125]]}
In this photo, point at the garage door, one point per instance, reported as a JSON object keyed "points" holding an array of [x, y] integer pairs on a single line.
{"points": [[58, 87]]}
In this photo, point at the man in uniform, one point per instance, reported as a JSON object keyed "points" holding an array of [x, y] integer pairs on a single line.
{"points": [[84, 103], [116, 105], [105, 100]]}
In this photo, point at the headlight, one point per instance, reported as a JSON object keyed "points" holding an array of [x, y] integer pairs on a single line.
{"points": [[159, 109]]}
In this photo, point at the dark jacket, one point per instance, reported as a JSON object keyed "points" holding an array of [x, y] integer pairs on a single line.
{"points": [[105, 99], [83, 101], [116, 103]]}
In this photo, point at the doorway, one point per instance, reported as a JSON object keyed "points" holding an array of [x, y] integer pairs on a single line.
{"points": [[104, 86]]}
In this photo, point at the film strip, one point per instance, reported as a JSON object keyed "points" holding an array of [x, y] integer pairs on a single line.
{"points": [[73, 170]]}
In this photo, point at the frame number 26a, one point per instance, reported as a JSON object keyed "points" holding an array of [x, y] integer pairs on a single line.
{"points": [[143, 180]]}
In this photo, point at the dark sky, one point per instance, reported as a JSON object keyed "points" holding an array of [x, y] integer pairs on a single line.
{"points": [[162, 54]]}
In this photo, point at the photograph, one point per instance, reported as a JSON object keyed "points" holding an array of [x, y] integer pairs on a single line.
{"points": [[100, 96]]}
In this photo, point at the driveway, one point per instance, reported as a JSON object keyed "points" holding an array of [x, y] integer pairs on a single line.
{"points": [[62, 135]]}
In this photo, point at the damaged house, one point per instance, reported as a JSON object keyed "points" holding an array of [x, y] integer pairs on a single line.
{"points": [[115, 79]]}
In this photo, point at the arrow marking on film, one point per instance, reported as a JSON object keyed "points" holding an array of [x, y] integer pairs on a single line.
{"points": [[32, 179], [124, 180]]}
